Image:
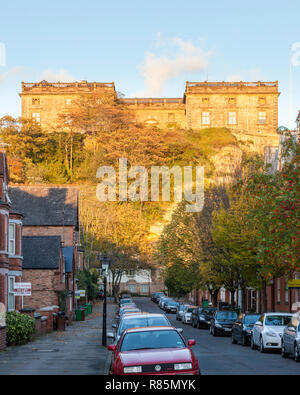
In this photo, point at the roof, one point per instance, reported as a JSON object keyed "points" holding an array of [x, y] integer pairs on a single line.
{"points": [[142, 315], [44, 205], [68, 258], [41, 252], [150, 328]]}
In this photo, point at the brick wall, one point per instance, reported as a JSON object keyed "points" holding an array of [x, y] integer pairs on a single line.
{"points": [[43, 286]]}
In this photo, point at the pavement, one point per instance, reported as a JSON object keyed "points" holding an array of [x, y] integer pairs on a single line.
{"points": [[76, 351]]}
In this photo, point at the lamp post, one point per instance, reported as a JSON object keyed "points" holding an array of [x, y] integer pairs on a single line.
{"points": [[105, 265]]}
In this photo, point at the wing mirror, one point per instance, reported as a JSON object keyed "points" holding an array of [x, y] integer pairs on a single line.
{"points": [[259, 323], [112, 347], [191, 342], [110, 335]]}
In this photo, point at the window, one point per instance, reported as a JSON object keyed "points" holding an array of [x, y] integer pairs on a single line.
{"points": [[232, 118], [205, 118], [68, 102], [131, 272], [145, 289], [11, 245], [205, 100], [132, 288], [262, 118], [232, 100], [171, 117], [261, 100], [36, 102], [11, 295], [36, 116], [5, 232]]}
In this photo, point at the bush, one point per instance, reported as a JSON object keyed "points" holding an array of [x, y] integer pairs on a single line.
{"points": [[20, 328]]}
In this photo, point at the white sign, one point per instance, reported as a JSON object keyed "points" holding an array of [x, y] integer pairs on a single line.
{"points": [[22, 289], [81, 292], [2, 315]]}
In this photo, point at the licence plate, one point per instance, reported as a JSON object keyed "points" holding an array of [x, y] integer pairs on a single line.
{"points": [[227, 329]]}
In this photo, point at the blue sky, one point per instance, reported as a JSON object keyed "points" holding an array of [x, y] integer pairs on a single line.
{"points": [[149, 48]]}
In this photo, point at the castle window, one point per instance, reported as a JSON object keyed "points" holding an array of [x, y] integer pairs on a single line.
{"points": [[262, 118], [68, 102], [36, 102], [232, 100], [261, 100], [36, 116], [232, 118], [205, 100], [205, 118]]}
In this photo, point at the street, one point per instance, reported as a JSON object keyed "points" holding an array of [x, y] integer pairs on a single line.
{"points": [[217, 356]]}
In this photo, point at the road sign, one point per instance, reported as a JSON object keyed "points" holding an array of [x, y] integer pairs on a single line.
{"points": [[294, 284], [22, 289]]}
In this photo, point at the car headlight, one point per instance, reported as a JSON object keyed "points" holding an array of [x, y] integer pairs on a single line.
{"points": [[182, 366], [132, 369], [271, 334]]}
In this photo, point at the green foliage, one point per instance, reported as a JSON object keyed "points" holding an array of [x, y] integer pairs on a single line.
{"points": [[88, 280], [20, 328]]}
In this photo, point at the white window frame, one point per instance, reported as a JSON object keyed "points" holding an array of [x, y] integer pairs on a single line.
{"points": [[6, 233], [37, 116], [205, 118], [129, 288], [13, 239], [11, 294], [232, 118]]}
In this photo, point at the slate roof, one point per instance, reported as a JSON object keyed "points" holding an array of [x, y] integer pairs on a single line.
{"points": [[41, 252], [44, 205]]}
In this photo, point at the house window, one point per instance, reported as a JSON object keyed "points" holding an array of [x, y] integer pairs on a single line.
{"points": [[5, 233], [36, 116], [145, 289], [11, 295], [278, 290], [131, 272], [11, 245], [132, 288], [205, 118], [36, 102], [232, 118], [262, 118]]}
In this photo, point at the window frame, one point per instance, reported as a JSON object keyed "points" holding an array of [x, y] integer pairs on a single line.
{"points": [[10, 293], [13, 225], [205, 118]]}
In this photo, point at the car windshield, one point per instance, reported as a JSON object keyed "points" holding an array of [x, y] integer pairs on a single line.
{"points": [[129, 311], [152, 340], [122, 301], [189, 309], [277, 320], [251, 319], [172, 303], [226, 315], [143, 321], [206, 311]]}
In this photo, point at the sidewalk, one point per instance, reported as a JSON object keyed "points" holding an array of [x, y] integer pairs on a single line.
{"points": [[78, 350]]}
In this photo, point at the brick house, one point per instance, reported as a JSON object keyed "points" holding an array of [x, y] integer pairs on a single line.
{"points": [[50, 211], [10, 248]]}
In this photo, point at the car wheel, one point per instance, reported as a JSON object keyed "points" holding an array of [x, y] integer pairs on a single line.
{"points": [[284, 354], [296, 353], [253, 346], [233, 341], [261, 346], [244, 340]]}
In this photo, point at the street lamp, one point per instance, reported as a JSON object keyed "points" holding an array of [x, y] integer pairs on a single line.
{"points": [[105, 265]]}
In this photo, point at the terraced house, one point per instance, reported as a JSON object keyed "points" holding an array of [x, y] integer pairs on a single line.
{"points": [[249, 109], [10, 249]]}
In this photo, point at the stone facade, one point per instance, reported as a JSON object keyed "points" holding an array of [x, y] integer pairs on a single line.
{"points": [[249, 109]]}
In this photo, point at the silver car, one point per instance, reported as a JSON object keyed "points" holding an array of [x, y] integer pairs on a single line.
{"points": [[290, 344]]}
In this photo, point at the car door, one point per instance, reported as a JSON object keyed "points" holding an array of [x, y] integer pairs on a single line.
{"points": [[257, 329]]}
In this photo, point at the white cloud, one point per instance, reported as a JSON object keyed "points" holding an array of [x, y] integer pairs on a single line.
{"points": [[61, 76], [9, 74], [156, 70]]}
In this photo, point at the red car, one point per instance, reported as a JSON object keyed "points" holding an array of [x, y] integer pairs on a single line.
{"points": [[153, 350]]}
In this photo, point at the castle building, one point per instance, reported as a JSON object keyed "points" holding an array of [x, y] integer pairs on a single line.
{"points": [[249, 109]]}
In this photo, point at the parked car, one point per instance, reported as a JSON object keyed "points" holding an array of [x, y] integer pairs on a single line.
{"points": [[201, 317], [139, 320], [187, 315], [222, 322], [125, 300], [268, 330], [156, 295], [290, 344], [162, 302], [242, 328], [124, 296], [171, 306], [180, 310], [153, 351]]}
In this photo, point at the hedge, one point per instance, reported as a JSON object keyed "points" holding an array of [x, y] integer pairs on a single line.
{"points": [[20, 328]]}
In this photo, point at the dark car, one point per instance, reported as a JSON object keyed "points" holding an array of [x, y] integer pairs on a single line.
{"points": [[155, 295], [171, 306], [291, 339], [222, 322], [242, 328], [202, 316]]}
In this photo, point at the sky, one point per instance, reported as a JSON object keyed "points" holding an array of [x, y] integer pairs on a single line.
{"points": [[150, 49]]}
